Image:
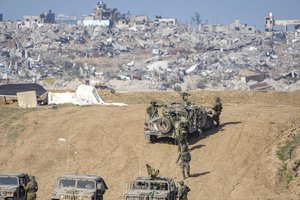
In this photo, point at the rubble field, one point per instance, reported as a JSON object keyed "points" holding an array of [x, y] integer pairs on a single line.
{"points": [[239, 159], [149, 58]]}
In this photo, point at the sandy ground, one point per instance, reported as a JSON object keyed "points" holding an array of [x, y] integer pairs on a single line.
{"points": [[236, 161]]}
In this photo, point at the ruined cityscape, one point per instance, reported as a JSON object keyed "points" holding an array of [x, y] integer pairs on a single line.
{"points": [[132, 52], [118, 105]]}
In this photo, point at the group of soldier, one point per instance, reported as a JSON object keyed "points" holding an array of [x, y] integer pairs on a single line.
{"points": [[181, 133]]}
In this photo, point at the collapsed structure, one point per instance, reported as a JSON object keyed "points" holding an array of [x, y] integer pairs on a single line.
{"points": [[143, 54]]}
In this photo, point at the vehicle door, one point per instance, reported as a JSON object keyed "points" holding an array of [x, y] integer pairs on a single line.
{"points": [[22, 184]]}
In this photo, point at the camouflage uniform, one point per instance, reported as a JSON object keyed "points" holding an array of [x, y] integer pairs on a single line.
{"points": [[31, 188], [183, 191], [151, 171], [217, 110], [185, 99], [152, 110], [185, 158], [181, 132]]}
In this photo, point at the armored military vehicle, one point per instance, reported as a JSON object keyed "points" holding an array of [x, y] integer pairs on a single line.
{"points": [[158, 188], [194, 117], [79, 187], [12, 186]]}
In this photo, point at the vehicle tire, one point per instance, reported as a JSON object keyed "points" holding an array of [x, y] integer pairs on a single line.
{"points": [[209, 123], [152, 138], [164, 125]]}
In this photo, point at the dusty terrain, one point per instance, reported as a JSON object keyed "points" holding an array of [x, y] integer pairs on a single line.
{"points": [[236, 161]]}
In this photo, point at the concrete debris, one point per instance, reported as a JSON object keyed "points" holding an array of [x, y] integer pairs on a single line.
{"points": [[169, 57]]}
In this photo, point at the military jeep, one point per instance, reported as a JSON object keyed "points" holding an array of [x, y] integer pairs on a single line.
{"points": [[79, 187], [152, 188], [12, 186], [195, 117]]}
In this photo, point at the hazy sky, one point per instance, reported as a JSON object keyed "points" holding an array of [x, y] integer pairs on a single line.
{"points": [[215, 11]]}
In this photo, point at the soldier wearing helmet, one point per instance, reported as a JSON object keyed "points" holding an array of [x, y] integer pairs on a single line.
{"points": [[152, 110], [31, 188], [217, 110], [183, 191], [185, 158]]}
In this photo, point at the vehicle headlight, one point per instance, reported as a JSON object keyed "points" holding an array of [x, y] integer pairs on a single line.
{"points": [[9, 194], [2, 194], [61, 196]]}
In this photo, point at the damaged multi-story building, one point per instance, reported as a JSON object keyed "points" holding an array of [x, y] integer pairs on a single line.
{"points": [[101, 15], [270, 22], [235, 26], [43, 18]]}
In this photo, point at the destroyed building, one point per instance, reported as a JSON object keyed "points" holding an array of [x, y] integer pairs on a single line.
{"points": [[101, 15], [270, 22], [235, 26], [66, 19], [138, 54], [34, 21]]}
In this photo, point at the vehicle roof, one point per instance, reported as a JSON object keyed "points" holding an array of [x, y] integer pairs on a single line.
{"points": [[154, 179], [18, 174], [82, 176]]}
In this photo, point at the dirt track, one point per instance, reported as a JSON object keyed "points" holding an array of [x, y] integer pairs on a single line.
{"points": [[236, 161]]}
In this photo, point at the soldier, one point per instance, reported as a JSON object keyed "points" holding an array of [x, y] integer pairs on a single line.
{"points": [[31, 188], [183, 191], [181, 132], [217, 110], [185, 98], [152, 110], [151, 171], [185, 157]]}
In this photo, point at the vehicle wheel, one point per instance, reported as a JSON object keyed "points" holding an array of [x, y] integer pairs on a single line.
{"points": [[209, 123], [164, 125], [152, 138]]}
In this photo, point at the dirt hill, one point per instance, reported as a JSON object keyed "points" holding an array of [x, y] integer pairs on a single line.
{"points": [[236, 161]]}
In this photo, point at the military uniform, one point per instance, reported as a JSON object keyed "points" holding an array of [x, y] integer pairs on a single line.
{"points": [[152, 110], [181, 134], [183, 191], [151, 171], [217, 110], [185, 99], [185, 158], [31, 188]]}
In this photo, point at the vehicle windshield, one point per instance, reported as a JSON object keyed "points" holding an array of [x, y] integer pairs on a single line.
{"points": [[8, 181], [86, 184], [73, 183], [143, 185]]}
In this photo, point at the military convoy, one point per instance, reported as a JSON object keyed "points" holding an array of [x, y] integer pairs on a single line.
{"points": [[195, 118], [12, 186], [159, 188], [79, 187]]}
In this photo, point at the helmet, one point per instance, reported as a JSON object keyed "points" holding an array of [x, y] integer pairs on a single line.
{"points": [[217, 99], [181, 182], [31, 178], [153, 102]]}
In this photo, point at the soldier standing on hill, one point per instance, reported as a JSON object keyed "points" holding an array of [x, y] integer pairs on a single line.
{"points": [[185, 158], [183, 191], [31, 188], [217, 110]]}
